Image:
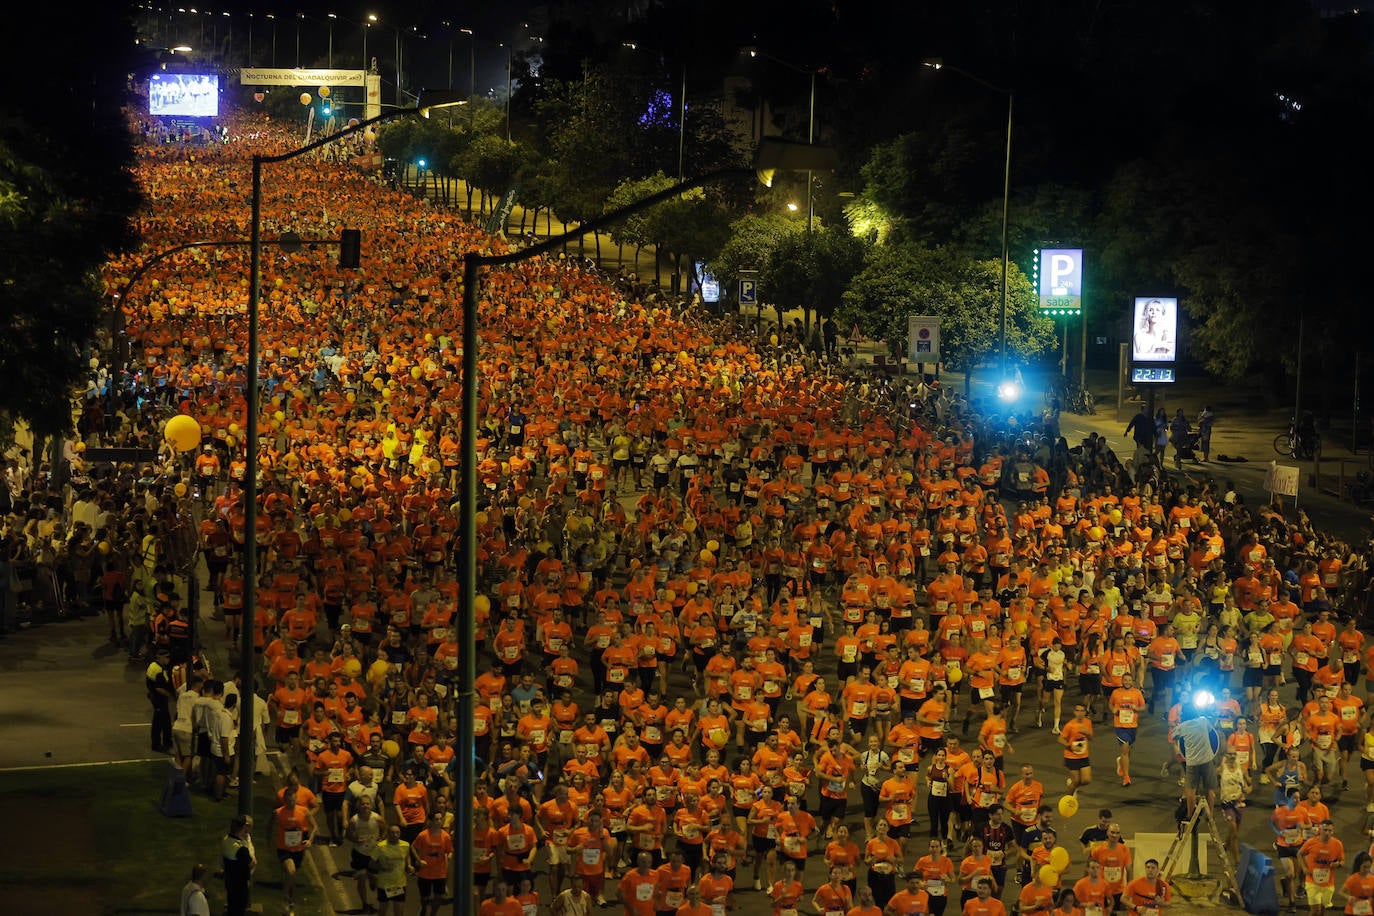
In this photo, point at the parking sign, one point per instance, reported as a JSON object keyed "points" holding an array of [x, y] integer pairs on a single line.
{"points": [[748, 292]]}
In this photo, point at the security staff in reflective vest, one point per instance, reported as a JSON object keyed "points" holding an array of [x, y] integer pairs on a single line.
{"points": [[238, 859], [158, 680]]}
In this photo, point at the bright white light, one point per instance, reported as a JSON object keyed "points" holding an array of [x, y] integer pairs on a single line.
{"points": [[792, 206], [1009, 390]]}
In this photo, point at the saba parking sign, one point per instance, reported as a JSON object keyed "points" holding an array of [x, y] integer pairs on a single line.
{"points": [[1060, 276]]}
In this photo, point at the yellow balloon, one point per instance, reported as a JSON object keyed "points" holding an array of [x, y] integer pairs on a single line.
{"points": [[179, 489], [305, 98], [103, 547], [1049, 876], [324, 92], [1059, 856], [416, 372], [481, 518], [346, 514], [1114, 516], [353, 667], [955, 675], [279, 416], [1068, 807], [391, 748], [706, 555], [713, 545], [1096, 533], [481, 604], [689, 525], [183, 432]]}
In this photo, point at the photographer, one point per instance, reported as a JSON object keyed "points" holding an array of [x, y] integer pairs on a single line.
{"points": [[1198, 744]]}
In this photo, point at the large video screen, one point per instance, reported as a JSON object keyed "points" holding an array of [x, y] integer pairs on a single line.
{"points": [[1154, 333], [188, 95]]}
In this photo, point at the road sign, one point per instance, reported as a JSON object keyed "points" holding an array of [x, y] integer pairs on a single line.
{"points": [[922, 339], [748, 292]]}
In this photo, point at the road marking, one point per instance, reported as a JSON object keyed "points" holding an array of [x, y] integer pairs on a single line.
{"points": [[69, 766], [134, 724]]}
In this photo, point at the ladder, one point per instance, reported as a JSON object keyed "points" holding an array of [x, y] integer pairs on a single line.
{"points": [[1176, 848]]}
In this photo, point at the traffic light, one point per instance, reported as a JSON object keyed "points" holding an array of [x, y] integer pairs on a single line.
{"points": [[350, 248]]}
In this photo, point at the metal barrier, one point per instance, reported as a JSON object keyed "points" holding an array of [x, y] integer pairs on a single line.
{"points": [[1346, 481]]}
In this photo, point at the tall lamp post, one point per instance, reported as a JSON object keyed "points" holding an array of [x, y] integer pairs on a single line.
{"points": [[938, 64], [472, 61], [773, 155], [247, 720], [810, 119]]}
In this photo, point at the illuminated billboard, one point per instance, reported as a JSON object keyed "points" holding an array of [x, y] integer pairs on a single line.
{"points": [[1154, 330], [187, 95], [1059, 276]]}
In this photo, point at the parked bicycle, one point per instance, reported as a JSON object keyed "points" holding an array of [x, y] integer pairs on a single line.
{"points": [[1301, 442]]}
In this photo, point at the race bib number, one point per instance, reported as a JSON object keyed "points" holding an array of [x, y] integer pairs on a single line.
{"points": [[591, 856], [984, 693], [1361, 907], [939, 789], [1112, 874], [644, 892], [1014, 673], [293, 717], [516, 842], [935, 887], [1300, 658], [901, 813], [292, 838], [1126, 718], [1321, 876]]}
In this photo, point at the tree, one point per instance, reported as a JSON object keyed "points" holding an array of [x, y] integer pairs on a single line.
{"points": [[66, 197], [812, 270], [749, 246], [965, 294]]}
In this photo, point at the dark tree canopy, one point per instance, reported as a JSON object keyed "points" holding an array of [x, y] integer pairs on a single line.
{"points": [[66, 196]]}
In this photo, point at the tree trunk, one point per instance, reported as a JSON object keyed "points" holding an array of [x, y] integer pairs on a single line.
{"points": [[596, 238], [468, 187], [620, 251], [658, 269], [523, 214]]}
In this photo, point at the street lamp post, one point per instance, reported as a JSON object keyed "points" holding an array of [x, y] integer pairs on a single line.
{"points": [[472, 61], [332, 17], [247, 720], [810, 120], [937, 64]]}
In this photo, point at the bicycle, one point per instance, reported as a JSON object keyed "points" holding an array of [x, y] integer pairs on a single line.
{"points": [[1293, 444]]}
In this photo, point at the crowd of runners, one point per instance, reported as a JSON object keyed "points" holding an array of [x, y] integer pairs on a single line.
{"points": [[739, 613]]}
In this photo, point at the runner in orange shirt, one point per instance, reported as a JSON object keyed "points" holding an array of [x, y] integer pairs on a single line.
{"points": [[1075, 737], [434, 849], [1127, 703], [1318, 859]]}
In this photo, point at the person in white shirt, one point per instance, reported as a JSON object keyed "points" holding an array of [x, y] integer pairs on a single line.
{"points": [[363, 830], [193, 900]]}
